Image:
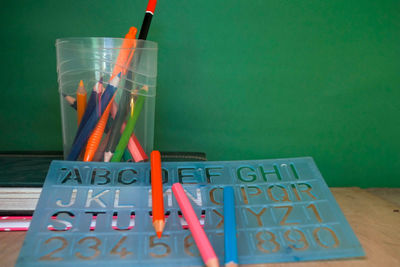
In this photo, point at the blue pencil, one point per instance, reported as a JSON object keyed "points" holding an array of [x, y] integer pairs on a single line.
{"points": [[230, 227], [91, 122]]}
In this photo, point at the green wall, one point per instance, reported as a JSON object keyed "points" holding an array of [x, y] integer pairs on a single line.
{"points": [[237, 79]]}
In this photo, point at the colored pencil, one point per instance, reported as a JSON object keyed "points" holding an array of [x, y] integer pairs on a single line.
{"points": [[144, 30], [157, 193], [115, 139], [97, 134], [230, 228], [81, 101], [130, 126], [116, 129], [124, 56], [98, 156], [199, 236], [134, 147], [88, 127], [119, 68], [136, 150], [119, 114], [91, 106]]}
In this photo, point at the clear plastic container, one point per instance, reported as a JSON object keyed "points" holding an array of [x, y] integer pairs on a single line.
{"points": [[97, 61]]}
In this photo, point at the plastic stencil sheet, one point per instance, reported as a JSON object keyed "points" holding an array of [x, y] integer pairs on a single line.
{"points": [[100, 214]]}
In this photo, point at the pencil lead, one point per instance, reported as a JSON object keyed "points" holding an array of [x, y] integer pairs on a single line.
{"points": [[81, 88], [132, 105], [231, 264], [212, 262], [159, 227]]}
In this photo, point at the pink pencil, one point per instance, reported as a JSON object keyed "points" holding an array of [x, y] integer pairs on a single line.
{"points": [[135, 148], [199, 236]]}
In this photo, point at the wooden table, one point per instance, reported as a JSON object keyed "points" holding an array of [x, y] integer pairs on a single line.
{"points": [[374, 215]]}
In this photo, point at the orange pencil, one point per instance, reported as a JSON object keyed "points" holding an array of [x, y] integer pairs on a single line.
{"points": [[124, 56], [97, 134], [119, 68], [81, 101], [157, 192]]}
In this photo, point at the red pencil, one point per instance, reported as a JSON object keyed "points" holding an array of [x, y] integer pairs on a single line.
{"points": [[157, 192]]}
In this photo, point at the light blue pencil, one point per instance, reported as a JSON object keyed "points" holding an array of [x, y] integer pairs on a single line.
{"points": [[231, 259]]}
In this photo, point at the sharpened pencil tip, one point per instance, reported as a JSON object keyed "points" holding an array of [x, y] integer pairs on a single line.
{"points": [[159, 227], [231, 264], [145, 88], [213, 262], [107, 156], [115, 81], [81, 89]]}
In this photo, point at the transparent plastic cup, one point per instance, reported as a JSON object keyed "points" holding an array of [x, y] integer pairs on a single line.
{"points": [[97, 61]]}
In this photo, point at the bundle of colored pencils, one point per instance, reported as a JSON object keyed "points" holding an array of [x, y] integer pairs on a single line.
{"points": [[92, 123], [94, 141]]}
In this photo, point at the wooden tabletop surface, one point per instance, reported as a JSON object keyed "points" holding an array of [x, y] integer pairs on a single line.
{"points": [[374, 215]]}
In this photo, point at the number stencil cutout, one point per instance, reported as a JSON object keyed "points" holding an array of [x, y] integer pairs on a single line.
{"points": [[100, 213]]}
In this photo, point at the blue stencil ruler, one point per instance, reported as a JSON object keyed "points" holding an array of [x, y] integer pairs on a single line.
{"points": [[100, 214]]}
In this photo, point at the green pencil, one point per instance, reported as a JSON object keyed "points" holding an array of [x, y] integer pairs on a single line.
{"points": [[130, 126]]}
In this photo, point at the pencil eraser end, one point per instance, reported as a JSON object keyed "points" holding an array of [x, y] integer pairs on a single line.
{"points": [[132, 33]]}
